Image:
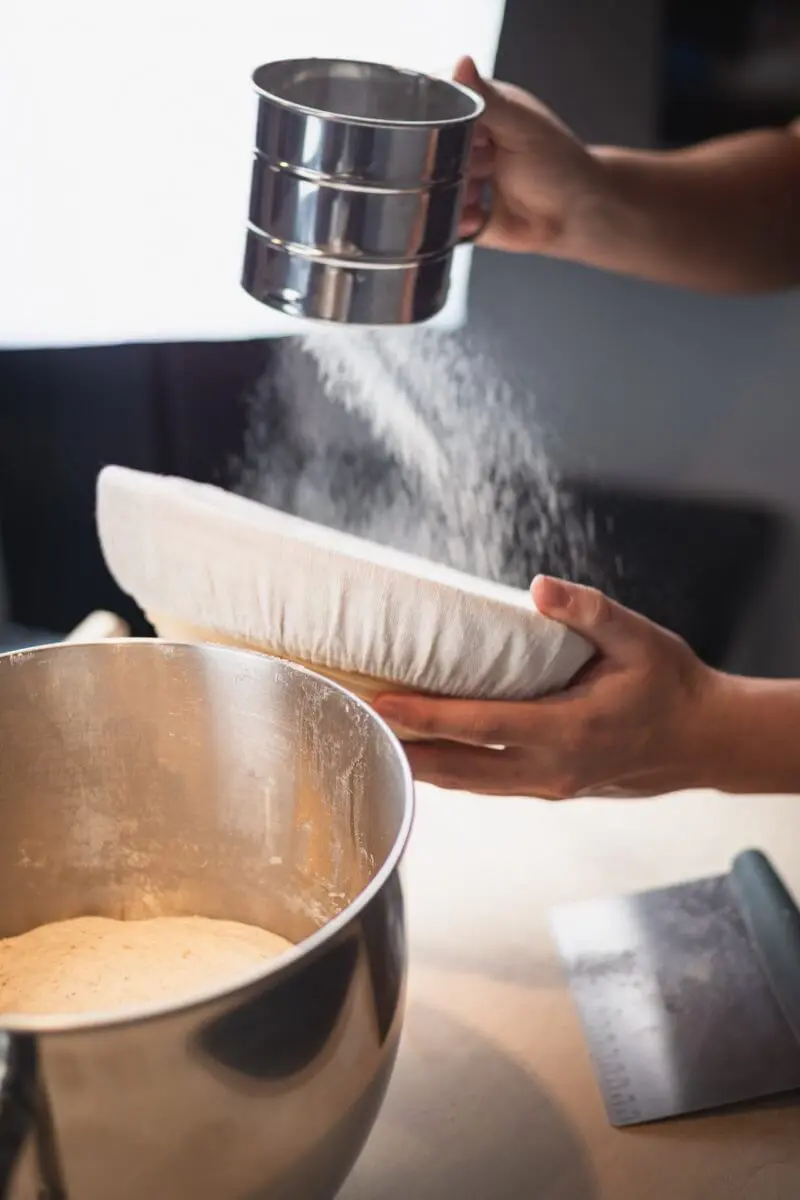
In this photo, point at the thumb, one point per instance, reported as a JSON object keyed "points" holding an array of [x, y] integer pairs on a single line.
{"points": [[466, 72], [614, 630], [498, 117]]}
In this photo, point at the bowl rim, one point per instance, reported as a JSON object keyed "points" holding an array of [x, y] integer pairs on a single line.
{"points": [[284, 964]]}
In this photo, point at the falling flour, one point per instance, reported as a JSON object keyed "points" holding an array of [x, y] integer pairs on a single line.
{"points": [[411, 437], [96, 964]]}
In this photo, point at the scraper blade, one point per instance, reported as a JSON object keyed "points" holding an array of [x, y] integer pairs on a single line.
{"points": [[689, 996]]}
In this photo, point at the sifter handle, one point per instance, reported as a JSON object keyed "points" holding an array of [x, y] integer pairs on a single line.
{"points": [[473, 237], [487, 216]]}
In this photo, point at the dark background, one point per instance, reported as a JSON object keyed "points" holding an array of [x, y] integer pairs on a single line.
{"points": [[728, 66], [693, 557]]}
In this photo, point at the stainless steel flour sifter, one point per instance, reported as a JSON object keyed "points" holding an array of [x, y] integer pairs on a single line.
{"points": [[358, 180]]}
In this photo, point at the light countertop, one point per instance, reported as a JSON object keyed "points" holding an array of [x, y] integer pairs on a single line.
{"points": [[493, 1096]]}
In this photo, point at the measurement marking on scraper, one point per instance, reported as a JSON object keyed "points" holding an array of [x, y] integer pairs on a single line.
{"points": [[600, 1022]]}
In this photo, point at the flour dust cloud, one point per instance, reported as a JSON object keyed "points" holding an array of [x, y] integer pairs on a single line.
{"points": [[413, 438]]}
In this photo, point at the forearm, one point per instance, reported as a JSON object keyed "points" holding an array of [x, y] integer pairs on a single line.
{"points": [[751, 740], [720, 217]]}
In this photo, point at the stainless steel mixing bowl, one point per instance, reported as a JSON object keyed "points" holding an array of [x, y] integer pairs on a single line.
{"points": [[143, 778]]}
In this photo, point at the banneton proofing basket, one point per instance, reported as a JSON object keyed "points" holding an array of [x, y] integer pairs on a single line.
{"points": [[145, 778], [358, 181]]}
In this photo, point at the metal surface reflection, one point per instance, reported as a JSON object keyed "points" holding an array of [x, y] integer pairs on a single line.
{"points": [[357, 188], [140, 778]]}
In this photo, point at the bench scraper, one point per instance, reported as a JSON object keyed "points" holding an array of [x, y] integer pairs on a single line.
{"points": [[689, 996]]}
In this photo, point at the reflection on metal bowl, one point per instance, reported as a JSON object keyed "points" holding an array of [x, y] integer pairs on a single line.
{"points": [[145, 778]]}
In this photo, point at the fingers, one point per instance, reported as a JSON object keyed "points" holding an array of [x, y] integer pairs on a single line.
{"points": [[508, 230], [505, 230], [502, 126], [476, 211], [482, 162], [467, 768], [475, 193], [472, 220], [499, 118], [615, 631], [468, 74], [471, 722], [477, 199]]}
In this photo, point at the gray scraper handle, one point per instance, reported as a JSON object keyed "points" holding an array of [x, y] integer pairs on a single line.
{"points": [[773, 922]]}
